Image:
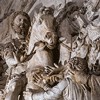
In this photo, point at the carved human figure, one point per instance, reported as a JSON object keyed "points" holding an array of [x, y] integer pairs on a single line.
{"points": [[45, 90], [84, 86], [77, 84], [55, 92], [76, 88], [15, 49], [75, 22], [42, 38], [94, 35], [80, 46], [14, 54]]}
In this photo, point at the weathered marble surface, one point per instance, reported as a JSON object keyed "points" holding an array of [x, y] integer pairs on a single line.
{"points": [[27, 51]]}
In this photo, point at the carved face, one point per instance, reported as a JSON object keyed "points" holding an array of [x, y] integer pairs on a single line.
{"points": [[21, 25], [77, 64]]}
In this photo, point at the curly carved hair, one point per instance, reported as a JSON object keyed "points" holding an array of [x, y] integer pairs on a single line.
{"points": [[79, 64]]}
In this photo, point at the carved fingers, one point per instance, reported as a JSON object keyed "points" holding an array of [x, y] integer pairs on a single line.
{"points": [[51, 69], [37, 78], [53, 80]]}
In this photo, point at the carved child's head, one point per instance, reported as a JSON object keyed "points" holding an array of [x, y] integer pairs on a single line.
{"points": [[78, 64]]}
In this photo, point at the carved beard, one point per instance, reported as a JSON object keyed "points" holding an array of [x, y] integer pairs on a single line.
{"points": [[21, 31], [20, 28], [22, 35]]}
